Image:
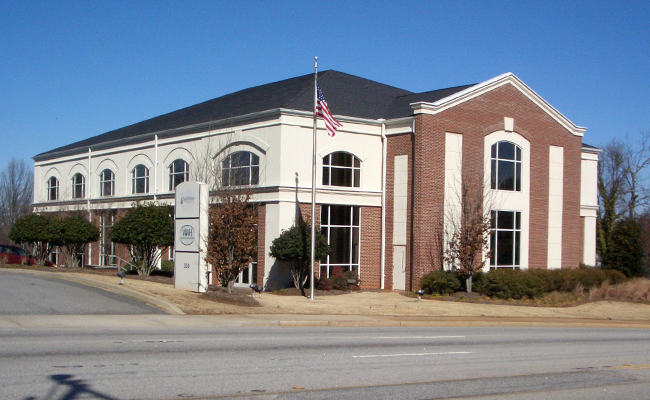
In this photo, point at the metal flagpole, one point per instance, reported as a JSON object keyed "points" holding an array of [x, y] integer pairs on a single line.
{"points": [[313, 186]]}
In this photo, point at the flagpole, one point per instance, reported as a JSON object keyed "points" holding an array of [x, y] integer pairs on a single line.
{"points": [[313, 186]]}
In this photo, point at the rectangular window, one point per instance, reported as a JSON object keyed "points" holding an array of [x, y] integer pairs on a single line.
{"points": [[505, 239], [340, 226]]}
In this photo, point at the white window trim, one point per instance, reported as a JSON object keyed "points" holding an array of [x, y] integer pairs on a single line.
{"points": [[507, 200]]}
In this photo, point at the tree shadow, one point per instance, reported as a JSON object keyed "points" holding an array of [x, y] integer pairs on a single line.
{"points": [[72, 389]]}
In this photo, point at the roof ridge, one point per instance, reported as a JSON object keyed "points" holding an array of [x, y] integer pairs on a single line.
{"points": [[307, 87]]}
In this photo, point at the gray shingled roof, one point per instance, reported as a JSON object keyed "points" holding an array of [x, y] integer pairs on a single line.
{"points": [[346, 95]]}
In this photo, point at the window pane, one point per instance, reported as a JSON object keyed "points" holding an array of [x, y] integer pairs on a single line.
{"points": [[518, 153], [357, 163], [340, 245], [341, 177], [504, 247], [518, 220], [355, 245], [341, 159], [518, 177], [517, 241], [494, 150], [324, 215], [255, 159], [326, 160], [506, 220], [255, 175], [492, 246], [493, 173], [357, 177], [355, 216], [326, 175], [506, 151], [506, 175], [340, 215]]}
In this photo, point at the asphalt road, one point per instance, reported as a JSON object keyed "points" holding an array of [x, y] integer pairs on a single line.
{"points": [[31, 295], [325, 363]]}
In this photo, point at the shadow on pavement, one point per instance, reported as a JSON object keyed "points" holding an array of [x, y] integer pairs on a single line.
{"points": [[72, 389]]}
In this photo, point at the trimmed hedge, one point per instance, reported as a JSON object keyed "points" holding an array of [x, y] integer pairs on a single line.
{"points": [[440, 282], [518, 284]]}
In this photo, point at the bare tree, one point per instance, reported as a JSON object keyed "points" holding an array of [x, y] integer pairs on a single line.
{"points": [[16, 191], [636, 159], [468, 223], [232, 239], [612, 187]]}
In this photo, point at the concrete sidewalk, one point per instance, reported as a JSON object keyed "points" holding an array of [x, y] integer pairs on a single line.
{"points": [[384, 311]]}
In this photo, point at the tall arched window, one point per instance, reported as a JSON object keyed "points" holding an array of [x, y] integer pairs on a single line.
{"points": [[341, 169], [240, 168], [78, 186], [506, 166], [106, 183], [52, 188], [179, 172], [140, 179]]}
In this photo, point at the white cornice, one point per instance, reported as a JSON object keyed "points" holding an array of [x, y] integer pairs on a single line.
{"points": [[481, 88]]}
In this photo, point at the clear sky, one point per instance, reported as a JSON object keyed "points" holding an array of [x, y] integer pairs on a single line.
{"points": [[70, 70]]}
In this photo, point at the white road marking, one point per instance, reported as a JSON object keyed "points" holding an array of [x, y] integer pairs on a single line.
{"points": [[413, 354], [416, 337]]}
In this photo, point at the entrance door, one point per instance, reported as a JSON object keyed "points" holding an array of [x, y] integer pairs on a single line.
{"points": [[399, 267], [247, 276]]}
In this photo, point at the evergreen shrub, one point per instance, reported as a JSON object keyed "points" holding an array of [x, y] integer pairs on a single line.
{"points": [[440, 282]]}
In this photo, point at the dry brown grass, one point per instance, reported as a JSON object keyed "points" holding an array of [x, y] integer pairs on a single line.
{"points": [[635, 290]]}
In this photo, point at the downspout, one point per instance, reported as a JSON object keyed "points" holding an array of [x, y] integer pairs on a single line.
{"points": [[88, 194], [155, 167], [383, 202]]}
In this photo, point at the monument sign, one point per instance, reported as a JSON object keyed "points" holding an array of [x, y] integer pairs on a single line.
{"points": [[191, 227]]}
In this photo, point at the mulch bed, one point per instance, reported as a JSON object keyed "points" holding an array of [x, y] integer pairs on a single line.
{"points": [[554, 299], [239, 296]]}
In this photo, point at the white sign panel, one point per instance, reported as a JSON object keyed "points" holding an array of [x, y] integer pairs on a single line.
{"points": [[190, 236]]}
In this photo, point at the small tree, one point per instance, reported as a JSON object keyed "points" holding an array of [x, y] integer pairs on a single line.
{"points": [[16, 190], [626, 251], [468, 228], [72, 234], [293, 246], [148, 228], [33, 230], [232, 241]]}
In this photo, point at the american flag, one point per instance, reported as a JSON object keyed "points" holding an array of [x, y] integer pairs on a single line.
{"points": [[323, 110]]}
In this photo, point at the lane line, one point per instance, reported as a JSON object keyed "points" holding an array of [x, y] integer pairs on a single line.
{"points": [[416, 337], [413, 354]]}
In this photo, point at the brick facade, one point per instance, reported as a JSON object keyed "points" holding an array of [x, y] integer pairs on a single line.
{"points": [[475, 119]]}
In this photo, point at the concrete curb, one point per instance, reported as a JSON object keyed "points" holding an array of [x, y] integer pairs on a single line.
{"points": [[113, 288]]}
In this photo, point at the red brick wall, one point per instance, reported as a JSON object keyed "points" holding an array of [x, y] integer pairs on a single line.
{"points": [[397, 145], [475, 119], [261, 237], [370, 248]]}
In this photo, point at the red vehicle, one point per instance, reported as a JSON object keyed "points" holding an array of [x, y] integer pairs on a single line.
{"points": [[15, 255]]}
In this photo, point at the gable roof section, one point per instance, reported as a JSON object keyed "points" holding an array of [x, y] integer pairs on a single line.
{"points": [[346, 94], [470, 92]]}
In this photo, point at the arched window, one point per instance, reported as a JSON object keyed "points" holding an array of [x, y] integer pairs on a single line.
{"points": [[240, 168], [341, 169], [52, 188], [506, 166], [78, 186], [179, 172], [140, 179], [106, 183]]}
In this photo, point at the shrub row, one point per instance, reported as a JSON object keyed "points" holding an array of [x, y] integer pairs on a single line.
{"points": [[518, 284]]}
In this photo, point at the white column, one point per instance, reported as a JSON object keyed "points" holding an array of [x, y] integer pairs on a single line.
{"points": [[555, 199]]}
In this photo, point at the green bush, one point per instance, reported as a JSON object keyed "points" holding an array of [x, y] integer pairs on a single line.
{"points": [[440, 282], [518, 284], [167, 265]]}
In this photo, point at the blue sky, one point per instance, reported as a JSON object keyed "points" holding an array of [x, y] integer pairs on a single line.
{"points": [[71, 69]]}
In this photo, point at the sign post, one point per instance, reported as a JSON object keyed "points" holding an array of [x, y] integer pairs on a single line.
{"points": [[190, 237]]}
